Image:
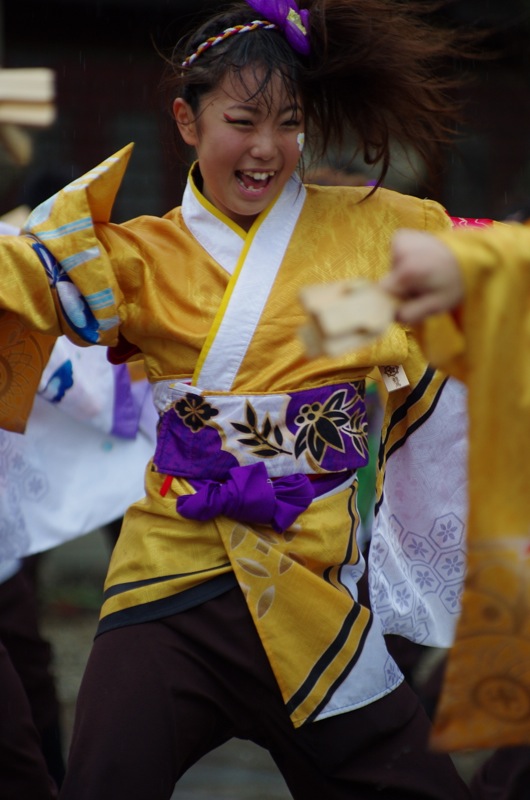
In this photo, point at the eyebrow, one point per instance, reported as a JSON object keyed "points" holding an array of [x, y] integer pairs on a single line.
{"points": [[252, 109]]}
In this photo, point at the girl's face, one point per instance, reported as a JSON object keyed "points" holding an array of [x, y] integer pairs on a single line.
{"points": [[247, 149]]}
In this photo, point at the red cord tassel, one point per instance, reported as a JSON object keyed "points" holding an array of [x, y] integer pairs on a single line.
{"points": [[164, 489]]}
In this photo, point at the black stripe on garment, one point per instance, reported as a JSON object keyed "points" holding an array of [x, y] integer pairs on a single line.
{"points": [[324, 660], [400, 442], [343, 675], [119, 588], [353, 518], [167, 606], [419, 422], [349, 549], [401, 412]]}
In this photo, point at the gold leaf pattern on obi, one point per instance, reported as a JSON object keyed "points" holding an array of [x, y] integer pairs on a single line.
{"points": [[263, 547], [291, 533], [194, 411], [265, 442], [237, 536], [267, 536], [253, 567], [265, 601], [285, 564], [321, 425]]}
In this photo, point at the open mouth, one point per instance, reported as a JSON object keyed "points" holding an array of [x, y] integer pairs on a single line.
{"points": [[254, 181]]}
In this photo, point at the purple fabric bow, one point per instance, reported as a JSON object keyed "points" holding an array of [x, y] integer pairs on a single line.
{"points": [[250, 496], [292, 21]]}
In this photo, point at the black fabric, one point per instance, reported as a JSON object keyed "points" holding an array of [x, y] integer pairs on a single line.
{"points": [[504, 775], [23, 770], [31, 657], [158, 696]]}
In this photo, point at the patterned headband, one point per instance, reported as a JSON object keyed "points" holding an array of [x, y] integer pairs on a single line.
{"points": [[213, 40], [283, 15]]}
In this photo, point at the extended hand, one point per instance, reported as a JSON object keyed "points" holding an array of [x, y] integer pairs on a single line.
{"points": [[424, 276]]}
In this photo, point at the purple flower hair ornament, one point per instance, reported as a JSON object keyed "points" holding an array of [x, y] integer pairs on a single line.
{"points": [[291, 20]]}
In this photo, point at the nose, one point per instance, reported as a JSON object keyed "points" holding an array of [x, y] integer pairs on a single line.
{"points": [[264, 145]]}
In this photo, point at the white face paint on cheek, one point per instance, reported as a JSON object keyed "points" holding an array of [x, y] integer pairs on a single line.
{"points": [[301, 141]]}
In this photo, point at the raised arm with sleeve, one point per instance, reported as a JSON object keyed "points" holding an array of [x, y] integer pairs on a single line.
{"points": [[487, 345], [57, 280]]}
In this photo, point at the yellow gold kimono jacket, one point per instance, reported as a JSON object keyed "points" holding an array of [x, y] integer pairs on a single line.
{"points": [[214, 313], [486, 697]]}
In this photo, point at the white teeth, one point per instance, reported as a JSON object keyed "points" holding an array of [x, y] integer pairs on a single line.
{"points": [[259, 176]]}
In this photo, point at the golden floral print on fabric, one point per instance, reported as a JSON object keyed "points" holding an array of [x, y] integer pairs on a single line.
{"points": [[257, 572]]}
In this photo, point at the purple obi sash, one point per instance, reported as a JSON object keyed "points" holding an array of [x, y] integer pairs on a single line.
{"points": [[312, 431], [254, 458]]}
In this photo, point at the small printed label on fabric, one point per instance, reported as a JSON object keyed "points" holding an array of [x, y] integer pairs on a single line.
{"points": [[394, 377]]}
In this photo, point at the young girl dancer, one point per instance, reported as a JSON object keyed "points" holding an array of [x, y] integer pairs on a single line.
{"points": [[230, 605]]}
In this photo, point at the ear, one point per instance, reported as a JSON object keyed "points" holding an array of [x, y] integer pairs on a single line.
{"points": [[185, 119]]}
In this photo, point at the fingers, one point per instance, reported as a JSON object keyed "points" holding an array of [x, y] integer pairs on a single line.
{"points": [[424, 275], [409, 251], [416, 309]]}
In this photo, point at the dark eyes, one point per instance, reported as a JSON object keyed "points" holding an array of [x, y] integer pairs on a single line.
{"points": [[238, 121], [292, 122]]}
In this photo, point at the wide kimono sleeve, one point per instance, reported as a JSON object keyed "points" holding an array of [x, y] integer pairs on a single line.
{"points": [[57, 279], [486, 696], [417, 549], [81, 461]]}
